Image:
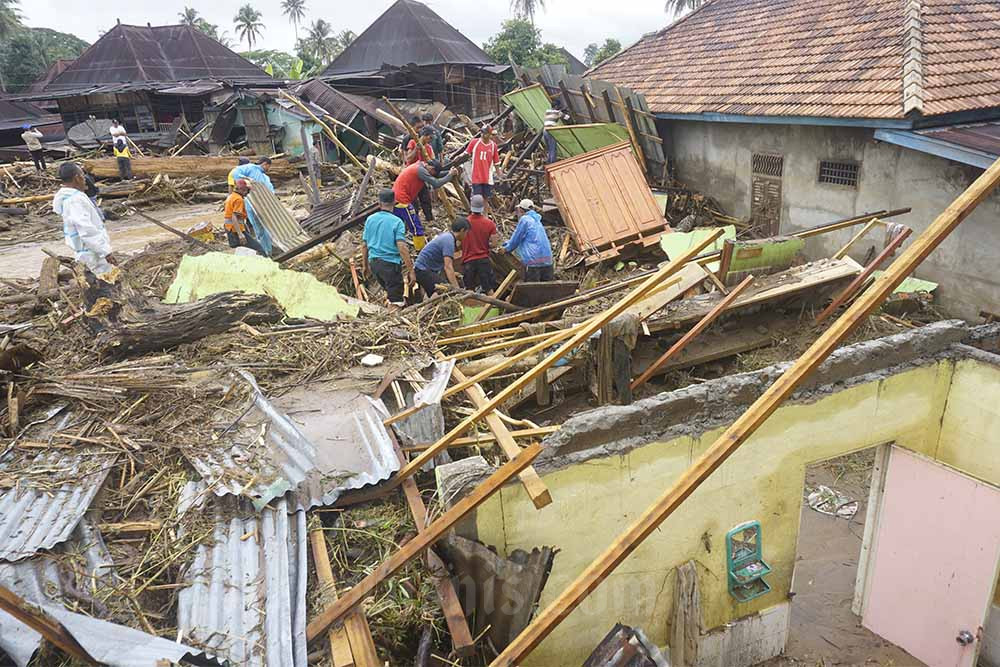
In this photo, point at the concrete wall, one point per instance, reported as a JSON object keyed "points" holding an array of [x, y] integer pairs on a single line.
{"points": [[607, 466], [715, 158]]}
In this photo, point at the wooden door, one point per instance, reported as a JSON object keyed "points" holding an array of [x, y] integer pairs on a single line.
{"points": [[934, 560], [765, 193]]}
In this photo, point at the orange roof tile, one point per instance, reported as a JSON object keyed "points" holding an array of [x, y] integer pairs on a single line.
{"points": [[839, 58]]}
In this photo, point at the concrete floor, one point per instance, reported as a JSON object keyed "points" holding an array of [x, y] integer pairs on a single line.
{"points": [[823, 629]]}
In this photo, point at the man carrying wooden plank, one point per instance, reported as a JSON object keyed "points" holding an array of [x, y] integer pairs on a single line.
{"points": [[531, 243], [410, 182], [384, 251]]}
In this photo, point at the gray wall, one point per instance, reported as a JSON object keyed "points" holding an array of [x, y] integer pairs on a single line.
{"points": [[715, 159]]}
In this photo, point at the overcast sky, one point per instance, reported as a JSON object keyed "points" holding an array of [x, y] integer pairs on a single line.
{"points": [[569, 23]]}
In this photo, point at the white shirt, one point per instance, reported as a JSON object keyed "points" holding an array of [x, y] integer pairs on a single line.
{"points": [[31, 139], [117, 131]]}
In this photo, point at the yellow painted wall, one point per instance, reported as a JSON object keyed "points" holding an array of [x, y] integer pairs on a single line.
{"points": [[764, 479]]}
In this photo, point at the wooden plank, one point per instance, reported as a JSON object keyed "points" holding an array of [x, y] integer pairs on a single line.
{"points": [[857, 237], [36, 619], [414, 547], [340, 646], [532, 483], [748, 422], [630, 126], [484, 439], [359, 194], [709, 348], [502, 345], [579, 334], [326, 128], [692, 334]]}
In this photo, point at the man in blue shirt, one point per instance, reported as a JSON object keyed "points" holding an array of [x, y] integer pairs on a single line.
{"points": [[438, 256], [531, 244], [384, 250]]}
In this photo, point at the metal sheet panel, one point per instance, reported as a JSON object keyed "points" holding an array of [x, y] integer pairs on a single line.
{"points": [[32, 519], [530, 104], [285, 231], [246, 594], [577, 139], [604, 198]]}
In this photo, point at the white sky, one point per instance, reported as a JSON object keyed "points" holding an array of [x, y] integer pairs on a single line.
{"points": [[569, 23]]}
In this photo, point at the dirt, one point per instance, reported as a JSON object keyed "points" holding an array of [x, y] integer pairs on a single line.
{"points": [[824, 630]]}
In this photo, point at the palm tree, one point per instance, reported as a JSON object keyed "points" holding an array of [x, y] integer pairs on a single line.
{"points": [[295, 10], [189, 17], [526, 8], [678, 7], [248, 25], [318, 40]]}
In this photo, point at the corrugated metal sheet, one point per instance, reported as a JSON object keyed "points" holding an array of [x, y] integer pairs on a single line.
{"points": [[427, 425], [604, 199], [285, 231], [318, 440], [32, 519], [328, 214], [530, 104], [577, 139], [983, 137], [336, 104], [246, 594]]}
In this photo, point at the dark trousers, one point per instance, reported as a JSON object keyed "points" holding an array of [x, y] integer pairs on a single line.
{"points": [[550, 148], [125, 168], [38, 157], [424, 197], [245, 239], [539, 274], [428, 280], [390, 277], [478, 273]]}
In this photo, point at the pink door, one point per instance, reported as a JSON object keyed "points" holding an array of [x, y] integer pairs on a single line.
{"points": [[934, 561]]}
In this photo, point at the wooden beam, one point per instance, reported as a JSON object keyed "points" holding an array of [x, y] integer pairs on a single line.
{"points": [[857, 237], [591, 111], [579, 335], [488, 439], [340, 646], [502, 345], [36, 619], [495, 333], [630, 126], [359, 194], [498, 292], [532, 483], [692, 334], [326, 128], [423, 540], [748, 422]]}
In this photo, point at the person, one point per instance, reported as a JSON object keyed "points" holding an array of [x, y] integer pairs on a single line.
{"points": [[531, 243], [438, 256], [317, 150], [407, 187], [406, 139], [117, 130], [477, 269], [485, 156], [232, 179], [124, 158], [235, 217], [32, 138], [416, 151], [437, 141], [257, 173], [553, 116], [384, 251], [83, 227]]}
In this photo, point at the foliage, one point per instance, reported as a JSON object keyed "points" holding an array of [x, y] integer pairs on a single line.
{"points": [[520, 41], [248, 24], [26, 56], [525, 9], [595, 55], [10, 17], [295, 10], [279, 64], [319, 47], [190, 17], [678, 7]]}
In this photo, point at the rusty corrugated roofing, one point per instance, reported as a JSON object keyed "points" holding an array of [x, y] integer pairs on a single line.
{"points": [[842, 58]]}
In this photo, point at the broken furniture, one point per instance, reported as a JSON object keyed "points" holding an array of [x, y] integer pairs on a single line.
{"points": [[744, 562]]}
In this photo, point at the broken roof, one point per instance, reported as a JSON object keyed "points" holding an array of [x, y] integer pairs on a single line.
{"points": [[573, 64], [409, 32], [55, 69], [151, 54], [843, 58], [15, 114]]}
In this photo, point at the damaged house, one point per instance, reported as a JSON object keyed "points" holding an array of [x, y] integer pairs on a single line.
{"points": [[810, 111], [410, 52]]}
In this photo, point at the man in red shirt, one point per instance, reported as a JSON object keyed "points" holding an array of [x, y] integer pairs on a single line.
{"points": [[420, 150], [407, 188], [482, 235], [485, 156]]}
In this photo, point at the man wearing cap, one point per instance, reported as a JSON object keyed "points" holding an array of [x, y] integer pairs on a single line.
{"points": [[232, 179], [439, 256], [384, 251], [408, 186], [257, 173], [235, 218], [33, 140], [531, 244], [485, 156], [477, 269], [420, 150]]}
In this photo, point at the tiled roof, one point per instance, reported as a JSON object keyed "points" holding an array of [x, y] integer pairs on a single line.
{"points": [[840, 58]]}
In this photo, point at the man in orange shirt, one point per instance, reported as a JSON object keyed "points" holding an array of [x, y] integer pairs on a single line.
{"points": [[235, 215]]}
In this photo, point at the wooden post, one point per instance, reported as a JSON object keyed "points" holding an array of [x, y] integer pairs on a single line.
{"points": [[36, 619], [414, 547], [326, 128], [350, 129], [610, 106], [857, 237], [629, 115], [591, 110], [310, 165], [748, 422], [340, 646], [359, 194]]}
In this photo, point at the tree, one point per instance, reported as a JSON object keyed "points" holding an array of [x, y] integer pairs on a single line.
{"points": [[277, 63], [189, 17], [28, 52], [248, 24], [521, 42], [525, 9], [295, 10], [10, 20], [595, 55], [678, 7]]}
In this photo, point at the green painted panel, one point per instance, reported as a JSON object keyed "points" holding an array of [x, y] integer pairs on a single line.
{"points": [[577, 139], [677, 243], [530, 104], [911, 285], [765, 253]]}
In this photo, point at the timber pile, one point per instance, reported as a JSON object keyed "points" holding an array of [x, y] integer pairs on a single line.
{"points": [[216, 168]]}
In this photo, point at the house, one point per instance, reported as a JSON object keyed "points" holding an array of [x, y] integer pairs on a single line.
{"points": [[412, 53], [796, 112], [573, 64], [14, 115], [149, 77]]}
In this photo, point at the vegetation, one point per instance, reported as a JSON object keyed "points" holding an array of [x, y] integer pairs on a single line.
{"points": [[27, 53], [320, 46], [595, 55], [248, 24], [678, 7], [278, 64], [519, 41], [295, 10], [190, 17], [525, 9]]}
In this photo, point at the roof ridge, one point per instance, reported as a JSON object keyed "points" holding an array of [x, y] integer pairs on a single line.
{"points": [[135, 56], [409, 7], [913, 57]]}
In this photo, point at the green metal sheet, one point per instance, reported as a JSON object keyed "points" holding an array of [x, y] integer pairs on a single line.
{"points": [[530, 104], [911, 285], [677, 243], [577, 139]]}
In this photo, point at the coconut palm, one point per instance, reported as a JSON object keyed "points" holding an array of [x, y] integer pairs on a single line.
{"points": [[678, 7], [295, 10], [249, 25], [189, 17], [526, 8], [319, 42]]}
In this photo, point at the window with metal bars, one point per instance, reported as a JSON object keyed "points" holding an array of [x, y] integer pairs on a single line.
{"points": [[765, 164], [837, 172]]}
